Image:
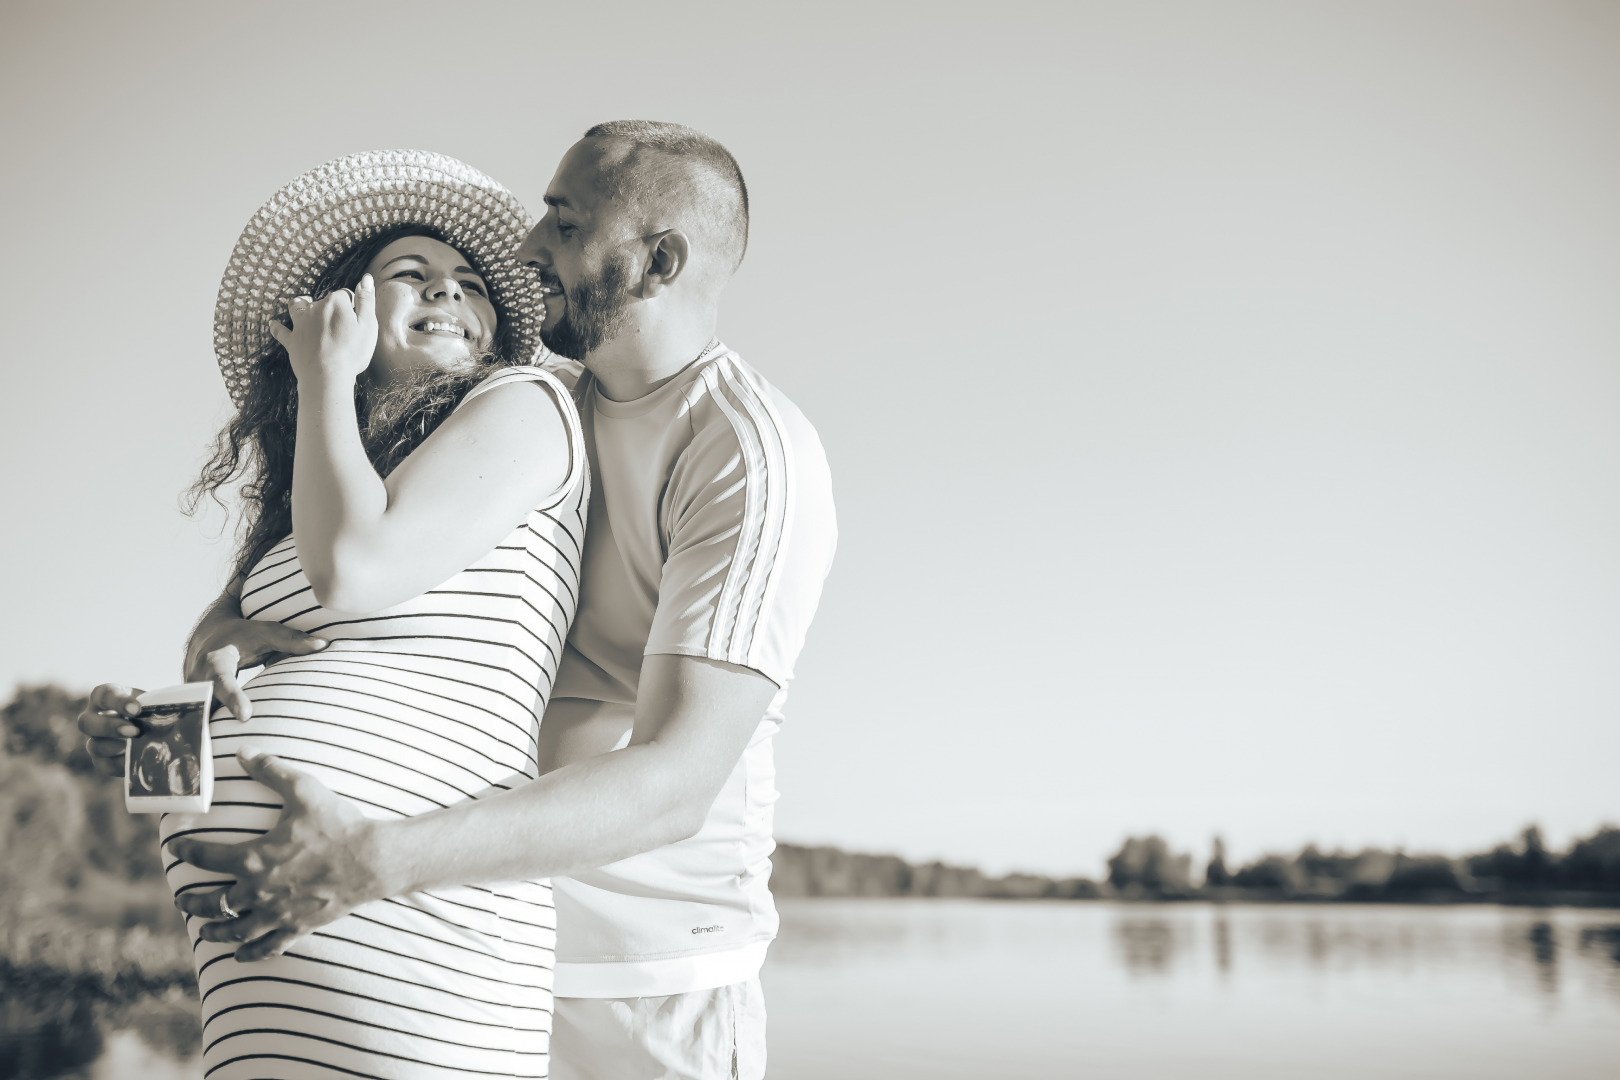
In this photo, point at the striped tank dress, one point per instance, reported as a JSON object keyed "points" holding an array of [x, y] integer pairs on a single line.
{"points": [[407, 710]]}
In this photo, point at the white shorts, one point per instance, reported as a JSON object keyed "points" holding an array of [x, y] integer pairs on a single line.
{"points": [[702, 1035]]}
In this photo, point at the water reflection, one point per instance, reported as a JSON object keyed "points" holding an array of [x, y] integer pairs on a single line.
{"points": [[1147, 946], [1543, 951], [912, 981]]}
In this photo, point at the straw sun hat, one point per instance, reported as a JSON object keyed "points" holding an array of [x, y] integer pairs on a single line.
{"points": [[313, 221]]}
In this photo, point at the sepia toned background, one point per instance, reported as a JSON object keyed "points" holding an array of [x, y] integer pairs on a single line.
{"points": [[1221, 398], [1222, 403]]}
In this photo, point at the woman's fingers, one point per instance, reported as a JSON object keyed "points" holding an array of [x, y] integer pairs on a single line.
{"points": [[106, 722], [114, 697], [224, 671], [365, 299], [278, 640], [107, 755]]}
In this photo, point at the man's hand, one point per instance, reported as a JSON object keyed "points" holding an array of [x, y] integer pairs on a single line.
{"points": [[223, 646], [106, 722], [311, 869]]}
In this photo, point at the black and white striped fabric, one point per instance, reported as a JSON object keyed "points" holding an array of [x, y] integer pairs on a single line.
{"points": [[408, 710]]}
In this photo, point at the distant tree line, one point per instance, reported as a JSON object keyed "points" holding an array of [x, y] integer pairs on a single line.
{"points": [[1146, 868], [74, 859]]}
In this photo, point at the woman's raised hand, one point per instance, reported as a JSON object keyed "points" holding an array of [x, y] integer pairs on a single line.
{"points": [[332, 339]]}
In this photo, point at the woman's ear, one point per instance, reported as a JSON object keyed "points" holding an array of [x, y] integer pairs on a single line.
{"points": [[667, 261]]}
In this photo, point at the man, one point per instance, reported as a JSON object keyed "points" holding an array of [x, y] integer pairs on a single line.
{"points": [[710, 533]]}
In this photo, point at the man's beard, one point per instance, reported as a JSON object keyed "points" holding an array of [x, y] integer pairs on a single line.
{"points": [[595, 312], [394, 419]]}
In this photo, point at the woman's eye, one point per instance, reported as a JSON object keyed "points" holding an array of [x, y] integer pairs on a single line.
{"points": [[409, 274], [473, 286]]}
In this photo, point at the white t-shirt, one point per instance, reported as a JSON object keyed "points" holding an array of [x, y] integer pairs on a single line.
{"points": [[710, 532]]}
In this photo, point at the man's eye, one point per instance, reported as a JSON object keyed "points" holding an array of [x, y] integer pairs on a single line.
{"points": [[565, 229]]}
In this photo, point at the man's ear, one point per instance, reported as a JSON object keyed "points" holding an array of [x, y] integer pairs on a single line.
{"points": [[668, 258]]}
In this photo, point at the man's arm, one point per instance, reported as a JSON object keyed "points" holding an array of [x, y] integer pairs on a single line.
{"points": [[694, 719]]}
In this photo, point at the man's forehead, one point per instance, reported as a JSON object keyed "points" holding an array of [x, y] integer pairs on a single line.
{"points": [[577, 184]]}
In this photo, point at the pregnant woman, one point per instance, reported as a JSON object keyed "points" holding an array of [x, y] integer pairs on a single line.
{"points": [[415, 506]]}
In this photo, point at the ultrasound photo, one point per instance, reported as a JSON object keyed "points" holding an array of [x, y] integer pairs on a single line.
{"points": [[167, 759]]}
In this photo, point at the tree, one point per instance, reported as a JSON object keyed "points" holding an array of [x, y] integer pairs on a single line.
{"points": [[1216, 874], [1147, 864]]}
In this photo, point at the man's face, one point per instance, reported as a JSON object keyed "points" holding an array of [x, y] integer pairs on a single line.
{"points": [[581, 249]]}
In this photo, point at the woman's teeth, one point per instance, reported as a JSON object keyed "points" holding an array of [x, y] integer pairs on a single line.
{"points": [[429, 326]]}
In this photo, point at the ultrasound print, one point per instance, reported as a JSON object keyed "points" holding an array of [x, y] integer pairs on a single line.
{"points": [[168, 759]]}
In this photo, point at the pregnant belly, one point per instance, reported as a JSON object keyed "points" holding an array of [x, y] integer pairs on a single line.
{"points": [[390, 741], [390, 756]]}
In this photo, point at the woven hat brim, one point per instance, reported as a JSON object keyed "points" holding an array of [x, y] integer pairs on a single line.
{"points": [[309, 224]]}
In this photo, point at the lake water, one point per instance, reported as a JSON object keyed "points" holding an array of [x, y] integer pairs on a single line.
{"points": [[904, 989]]}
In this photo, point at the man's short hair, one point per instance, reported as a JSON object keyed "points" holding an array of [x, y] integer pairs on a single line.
{"points": [[673, 167]]}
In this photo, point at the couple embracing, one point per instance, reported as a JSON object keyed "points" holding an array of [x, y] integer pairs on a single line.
{"points": [[527, 617]]}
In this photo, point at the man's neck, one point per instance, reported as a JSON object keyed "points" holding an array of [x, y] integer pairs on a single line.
{"points": [[640, 359]]}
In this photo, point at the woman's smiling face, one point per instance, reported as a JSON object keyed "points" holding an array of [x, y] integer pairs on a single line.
{"points": [[433, 309]]}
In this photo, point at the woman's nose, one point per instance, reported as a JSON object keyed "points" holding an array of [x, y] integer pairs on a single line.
{"points": [[446, 287]]}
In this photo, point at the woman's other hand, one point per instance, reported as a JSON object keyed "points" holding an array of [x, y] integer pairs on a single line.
{"points": [[332, 339], [222, 647], [107, 720]]}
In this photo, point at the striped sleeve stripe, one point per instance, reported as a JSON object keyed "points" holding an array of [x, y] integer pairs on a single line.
{"points": [[767, 504]]}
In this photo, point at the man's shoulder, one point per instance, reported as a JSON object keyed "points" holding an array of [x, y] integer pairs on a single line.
{"points": [[730, 400], [566, 371]]}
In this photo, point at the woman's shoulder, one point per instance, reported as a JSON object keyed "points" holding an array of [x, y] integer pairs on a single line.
{"points": [[520, 373], [511, 419]]}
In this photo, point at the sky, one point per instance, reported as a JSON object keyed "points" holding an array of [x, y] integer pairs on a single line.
{"points": [[1223, 400]]}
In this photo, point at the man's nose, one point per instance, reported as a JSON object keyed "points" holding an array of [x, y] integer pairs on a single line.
{"points": [[532, 252]]}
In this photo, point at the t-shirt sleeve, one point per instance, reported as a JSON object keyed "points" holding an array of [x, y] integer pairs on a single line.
{"points": [[748, 519]]}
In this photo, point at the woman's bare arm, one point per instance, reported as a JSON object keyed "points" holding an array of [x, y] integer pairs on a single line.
{"points": [[366, 543]]}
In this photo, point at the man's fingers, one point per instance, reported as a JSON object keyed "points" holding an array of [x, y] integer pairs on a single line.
{"points": [[245, 928], [206, 855], [272, 944], [201, 905], [273, 773]]}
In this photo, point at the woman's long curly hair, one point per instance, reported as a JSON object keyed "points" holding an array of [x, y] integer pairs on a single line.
{"points": [[256, 446]]}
